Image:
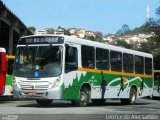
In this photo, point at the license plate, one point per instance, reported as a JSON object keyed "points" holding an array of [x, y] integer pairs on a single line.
{"points": [[32, 94]]}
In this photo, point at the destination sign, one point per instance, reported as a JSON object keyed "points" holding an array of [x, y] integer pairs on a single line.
{"points": [[42, 40]]}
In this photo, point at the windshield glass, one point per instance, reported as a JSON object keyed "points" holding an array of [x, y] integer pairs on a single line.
{"points": [[38, 61]]}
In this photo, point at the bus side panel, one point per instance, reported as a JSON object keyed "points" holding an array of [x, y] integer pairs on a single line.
{"points": [[119, 85], [8, 86], [108, 86], [147, 87], [8, 83], [71, 86], [73, 82], [105, 85], [149, 82], [2, 83], [2, 72]]}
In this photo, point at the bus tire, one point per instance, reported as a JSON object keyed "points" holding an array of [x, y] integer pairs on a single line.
{"points": [[84, 97], [132, 97], [98, 101], [44, 102]]}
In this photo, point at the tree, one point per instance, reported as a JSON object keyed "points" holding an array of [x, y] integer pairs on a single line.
{"points": [[66, 32], [153, 44], [123, 43], [59, 27], [124, 29], [150, 22], [156, 55], [32, 29], [99, 36], [50, 31], [89, 37], [158, 12]]}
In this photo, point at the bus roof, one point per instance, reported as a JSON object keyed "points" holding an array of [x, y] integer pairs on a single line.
{"points": [[2, 49], [95, 44]]}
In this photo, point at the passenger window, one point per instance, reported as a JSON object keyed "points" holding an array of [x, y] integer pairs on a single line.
{"points": [[128, 63], [71, 59], [148, 66], [116, 61], [139, 65], [88, 56], [102, 59]]}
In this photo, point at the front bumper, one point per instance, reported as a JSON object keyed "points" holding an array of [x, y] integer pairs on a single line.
{"points": [[54, 93]]}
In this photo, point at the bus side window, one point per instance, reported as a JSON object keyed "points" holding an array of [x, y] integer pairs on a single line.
{"points": [[71, 59], [102, 59], [116, 61], [128, 63], [88, 56], [139, 64], [148, 66]]}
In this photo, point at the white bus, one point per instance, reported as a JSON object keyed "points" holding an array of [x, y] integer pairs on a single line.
{"points": [[49, 67]]}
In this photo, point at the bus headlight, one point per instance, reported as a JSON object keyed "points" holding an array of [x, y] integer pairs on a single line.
{"points": [[56, 82]]}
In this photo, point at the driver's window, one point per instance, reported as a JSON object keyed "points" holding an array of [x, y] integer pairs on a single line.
{"points": [[71, 59]]}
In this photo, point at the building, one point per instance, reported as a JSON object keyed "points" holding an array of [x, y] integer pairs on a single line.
{"points": [[59, 31], [90, 33], [80, 33], [72, 31], [11, 29], [40, 32]]}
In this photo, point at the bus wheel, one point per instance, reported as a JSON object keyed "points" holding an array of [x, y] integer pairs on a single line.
{"points": [[132, 97], [44, 102], [84, 97], [98, 101]]}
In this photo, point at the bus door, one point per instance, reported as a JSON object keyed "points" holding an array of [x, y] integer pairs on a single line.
{"points": [[8, 83], [71, 67], [2, 71]]}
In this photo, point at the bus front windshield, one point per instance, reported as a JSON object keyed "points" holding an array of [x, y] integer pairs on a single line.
{"points": [[38, 61]]}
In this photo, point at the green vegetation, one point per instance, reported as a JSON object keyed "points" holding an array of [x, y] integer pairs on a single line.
{"points": [[123, 43], [124, 30], [50, 31], [32, 29], [153, 43]]}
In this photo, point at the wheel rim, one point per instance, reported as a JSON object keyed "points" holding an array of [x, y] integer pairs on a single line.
{"points": [[83, 98], [133, 96]]}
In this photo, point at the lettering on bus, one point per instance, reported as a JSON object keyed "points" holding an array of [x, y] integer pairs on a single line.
{"points": [[42, 40]]}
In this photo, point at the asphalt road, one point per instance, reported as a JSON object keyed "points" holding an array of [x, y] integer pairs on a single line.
{"points": [[62, 110]]}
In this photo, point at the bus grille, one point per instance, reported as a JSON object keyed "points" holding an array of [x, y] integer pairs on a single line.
{"points": [[34, 85]]}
